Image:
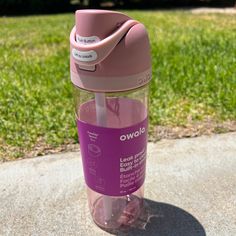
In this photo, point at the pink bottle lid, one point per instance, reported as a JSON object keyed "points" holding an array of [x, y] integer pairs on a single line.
{"points": [[110, 52]]}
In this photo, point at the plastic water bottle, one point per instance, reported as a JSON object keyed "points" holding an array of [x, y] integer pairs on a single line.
{"points": [[110, 68]]}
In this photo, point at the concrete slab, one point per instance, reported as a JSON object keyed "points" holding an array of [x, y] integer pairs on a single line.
{"points": [[210, 10], [190, 191]]}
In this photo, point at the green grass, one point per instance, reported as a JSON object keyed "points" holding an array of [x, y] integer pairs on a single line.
{"points": [[194, 75]]}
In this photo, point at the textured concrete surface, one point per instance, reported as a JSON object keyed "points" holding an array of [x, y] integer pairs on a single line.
{"points": [[190, 191], [207, 10]]}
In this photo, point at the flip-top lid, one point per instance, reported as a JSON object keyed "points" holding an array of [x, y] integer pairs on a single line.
{"points": [[109, 52]]}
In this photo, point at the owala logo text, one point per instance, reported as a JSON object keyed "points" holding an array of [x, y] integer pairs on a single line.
{"points": [[135, 134]]}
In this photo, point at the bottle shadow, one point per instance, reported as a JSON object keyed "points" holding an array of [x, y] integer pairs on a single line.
{"points": [[165, 220]]}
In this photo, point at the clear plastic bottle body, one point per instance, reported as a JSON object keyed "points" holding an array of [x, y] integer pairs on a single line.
{"points": [[114, 212]]}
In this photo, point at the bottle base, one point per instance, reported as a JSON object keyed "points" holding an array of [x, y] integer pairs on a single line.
{"points": [[123, 212]]}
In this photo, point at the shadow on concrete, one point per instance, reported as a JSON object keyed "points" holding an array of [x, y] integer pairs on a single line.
{"points": [[162, 219]]}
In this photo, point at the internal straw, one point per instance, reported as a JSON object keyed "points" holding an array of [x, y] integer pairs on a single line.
{"points": [[101, 113]]}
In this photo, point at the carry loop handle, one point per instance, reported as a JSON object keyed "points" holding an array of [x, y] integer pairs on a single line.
{"points": [[92, 54]]}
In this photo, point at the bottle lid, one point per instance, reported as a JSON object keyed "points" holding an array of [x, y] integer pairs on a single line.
{"points": [[109, 52]]}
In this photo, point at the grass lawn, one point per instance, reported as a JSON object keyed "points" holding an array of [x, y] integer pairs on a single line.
{"points": [[194, 75]]}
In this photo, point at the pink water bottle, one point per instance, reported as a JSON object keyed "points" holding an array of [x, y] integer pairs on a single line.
{"points": [[110, 68]]}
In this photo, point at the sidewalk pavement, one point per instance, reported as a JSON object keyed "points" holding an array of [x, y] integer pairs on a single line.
{"points": [[190, 190], [209, 10]]}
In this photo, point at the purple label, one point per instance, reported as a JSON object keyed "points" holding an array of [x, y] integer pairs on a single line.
{"points": [[114, 158]]}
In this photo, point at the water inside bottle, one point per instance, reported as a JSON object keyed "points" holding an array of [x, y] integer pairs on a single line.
{"points": [[125, 211]]}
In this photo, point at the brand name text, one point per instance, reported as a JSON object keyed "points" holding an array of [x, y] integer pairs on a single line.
{"points": [[135, 134]]}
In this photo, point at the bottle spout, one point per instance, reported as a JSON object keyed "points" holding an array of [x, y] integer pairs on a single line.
{"points": [[92, 54]]}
